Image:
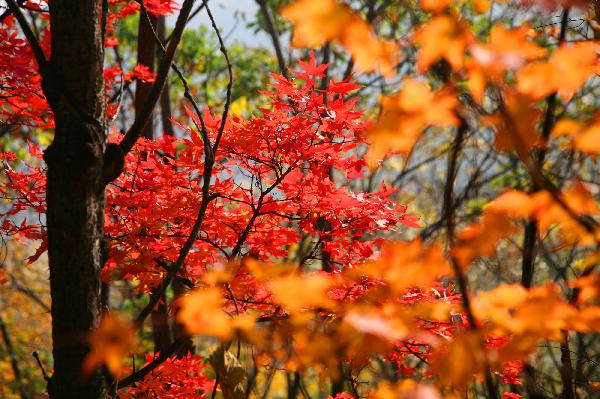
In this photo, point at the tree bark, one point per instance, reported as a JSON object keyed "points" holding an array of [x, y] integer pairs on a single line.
{"points": [[74, 86], [165, 97], [146, 48]]}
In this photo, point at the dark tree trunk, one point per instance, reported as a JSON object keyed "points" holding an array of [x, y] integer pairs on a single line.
{"points": [[165, 97], [179, 331], [74, 86], [146, 47], [161, 328]]}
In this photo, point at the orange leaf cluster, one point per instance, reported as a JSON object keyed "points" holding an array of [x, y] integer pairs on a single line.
{"points": [[319, 22], [565, 71], [406, 114]]}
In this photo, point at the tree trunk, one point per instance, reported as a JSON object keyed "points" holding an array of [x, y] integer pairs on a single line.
{"points": [[146, 48], [165, 97], [74, 86]]}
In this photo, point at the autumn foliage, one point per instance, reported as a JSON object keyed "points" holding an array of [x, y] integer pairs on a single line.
{"points": [[291, 262]]}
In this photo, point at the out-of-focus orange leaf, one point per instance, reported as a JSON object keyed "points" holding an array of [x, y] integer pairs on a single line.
{"points": [[543, 314], [565, 72], [201, 312], [407, 265], [406, 389], [481, 239], [376, 325], [436, 5], [587, 320], [499, 304], [516, 128], [319, 22], [516, 204], [467, 347], [579, 200], [506, 49], [110, 343], [406, 114], [297, 292], [584, 138], [443, 37], [3, 276], [588, 287]]}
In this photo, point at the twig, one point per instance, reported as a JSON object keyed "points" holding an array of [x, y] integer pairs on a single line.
{"points": [[229, 83], [13, 359], [147, 369], [458, 272], [272, 29], [529, 238], [41, 365]]}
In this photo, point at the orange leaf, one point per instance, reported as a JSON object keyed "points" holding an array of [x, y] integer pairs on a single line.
{"points": [[296, 292], [516, 128], [407, 265], [512, 203], [406, 114], [319, 22], [442, 38], [201, 312], [110, 343], [565, 72]]}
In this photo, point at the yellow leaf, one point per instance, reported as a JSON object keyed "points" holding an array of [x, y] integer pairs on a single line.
{"points": [[110, 343], [239, 106]]}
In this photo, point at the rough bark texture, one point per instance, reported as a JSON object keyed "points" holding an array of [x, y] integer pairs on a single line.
{"points": [[73, 84]]}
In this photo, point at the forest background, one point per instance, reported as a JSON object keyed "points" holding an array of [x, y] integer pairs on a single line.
{"points": [[418, 219]]}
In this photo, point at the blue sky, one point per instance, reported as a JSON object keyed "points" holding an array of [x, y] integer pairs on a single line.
{"points": [[227, 13]]}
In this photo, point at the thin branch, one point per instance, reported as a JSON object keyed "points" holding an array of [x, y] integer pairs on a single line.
{"points": [[272, 29], [147, 369], [13, 359], [529, 238], [461, 279], [229, 83]]}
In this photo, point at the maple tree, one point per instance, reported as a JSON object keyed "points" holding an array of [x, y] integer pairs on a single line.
{"points": [[279, 236]]}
